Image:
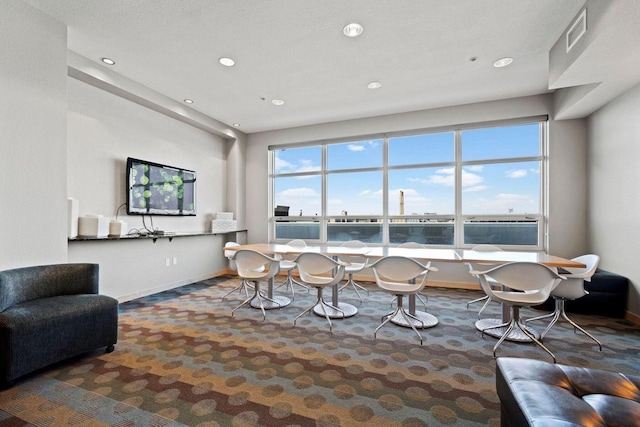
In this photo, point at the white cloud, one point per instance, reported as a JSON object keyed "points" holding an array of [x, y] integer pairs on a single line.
{"points": [[501, 203], [446, 177], [282, 164], [475, 168], [303, 165], [355, 147], [298, 192], [475, 188], [516, 173]]}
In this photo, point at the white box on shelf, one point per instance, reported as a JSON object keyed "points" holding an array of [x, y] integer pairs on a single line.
{"points": [[93, 226], [223, 225], [117, 228], [224, 215]]}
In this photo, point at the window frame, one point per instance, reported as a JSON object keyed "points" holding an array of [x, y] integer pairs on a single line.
{"points": [[458, 218]]}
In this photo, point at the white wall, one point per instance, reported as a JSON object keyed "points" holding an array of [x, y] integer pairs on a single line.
{"points": [[33, 70], [568, 182], [614, 188], [103, 130], [566, 137]]}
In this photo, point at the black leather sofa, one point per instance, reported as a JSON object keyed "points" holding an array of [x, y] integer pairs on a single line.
{"points": [[50, 313], [541, 394]]}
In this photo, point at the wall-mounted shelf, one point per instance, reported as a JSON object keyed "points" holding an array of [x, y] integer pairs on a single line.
{"points": [[153, 237]]}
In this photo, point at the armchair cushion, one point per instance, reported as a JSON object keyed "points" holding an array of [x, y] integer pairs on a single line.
{"points": [[537, 393]]}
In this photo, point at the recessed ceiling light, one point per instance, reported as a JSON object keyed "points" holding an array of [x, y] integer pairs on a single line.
{"points": [[236, 125], [188, 101], [352, 30], [108, 61], [277, 101], [227, 62], [503, 62], [374, 85]]}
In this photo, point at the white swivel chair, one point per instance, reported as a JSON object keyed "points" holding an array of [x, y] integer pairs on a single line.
{"points": [[255, 266], [414, 245], [528, 284], [571, 289], [479, 266], [244, 285], [288, 264], [401, 276], [321, 272], [355, 265]]}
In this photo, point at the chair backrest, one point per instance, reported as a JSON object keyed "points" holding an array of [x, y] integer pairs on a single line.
{"points": [[311, 265], [399, 269], [590, 260], [29, 283], [353, 258], [520, 276], [255, 265], [573, 287], [298, 243], [412, 245], [482, 248], [230, 254]]}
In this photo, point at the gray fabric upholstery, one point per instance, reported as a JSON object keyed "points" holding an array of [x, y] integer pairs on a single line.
{"points": [[50, 313]]}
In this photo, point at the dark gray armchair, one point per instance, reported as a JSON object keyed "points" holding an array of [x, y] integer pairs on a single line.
{"points": [[50, 313]]}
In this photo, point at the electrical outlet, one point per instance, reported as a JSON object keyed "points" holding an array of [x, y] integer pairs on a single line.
{"points": [[175, 260], [167, 262]]}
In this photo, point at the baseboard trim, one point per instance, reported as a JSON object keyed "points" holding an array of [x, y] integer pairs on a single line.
{"points": [[633, 318], [169, 286]]}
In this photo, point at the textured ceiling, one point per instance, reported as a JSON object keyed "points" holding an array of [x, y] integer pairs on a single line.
{"points": [[294, 50]]}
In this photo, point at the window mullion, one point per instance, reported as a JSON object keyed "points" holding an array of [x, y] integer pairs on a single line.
{"points": [[458, 222]]}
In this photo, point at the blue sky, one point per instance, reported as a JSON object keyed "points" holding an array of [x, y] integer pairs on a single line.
{"points": [[489, 188]]}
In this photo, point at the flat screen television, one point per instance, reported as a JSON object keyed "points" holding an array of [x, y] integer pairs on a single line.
{"points": [[157, 189]]}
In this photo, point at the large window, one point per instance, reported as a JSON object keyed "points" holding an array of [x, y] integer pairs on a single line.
{"points": [[457, 187]]}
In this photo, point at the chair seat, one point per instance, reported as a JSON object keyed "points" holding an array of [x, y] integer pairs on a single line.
{"points": [[398, 288], [354, 267], [287, 265], [521, 298]]}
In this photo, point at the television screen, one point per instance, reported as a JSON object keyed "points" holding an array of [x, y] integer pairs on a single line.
{"points": [[156, 189]]}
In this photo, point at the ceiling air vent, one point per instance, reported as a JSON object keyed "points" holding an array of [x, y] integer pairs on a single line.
{"points": [[577, 30]]}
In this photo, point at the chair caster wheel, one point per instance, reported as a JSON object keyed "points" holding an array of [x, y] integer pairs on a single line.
{"points": [[110, 348]]}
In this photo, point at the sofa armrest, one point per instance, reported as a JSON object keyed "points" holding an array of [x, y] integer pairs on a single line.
{"points": [[30, 283]]}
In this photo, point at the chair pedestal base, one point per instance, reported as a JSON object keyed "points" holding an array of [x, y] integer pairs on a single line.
{"points": [[555, 316], [271, 302], [487, 325], [356, 286], [347, 310], [243, 286], [426, 320]]}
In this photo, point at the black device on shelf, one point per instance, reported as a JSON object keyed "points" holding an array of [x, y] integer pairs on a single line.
{"points": [[157, 189]]}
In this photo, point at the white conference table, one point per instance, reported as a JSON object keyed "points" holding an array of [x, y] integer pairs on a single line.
{"points": [[424, 254]]}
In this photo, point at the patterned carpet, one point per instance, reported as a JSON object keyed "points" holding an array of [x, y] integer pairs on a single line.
{"points": [[182, 359]]}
